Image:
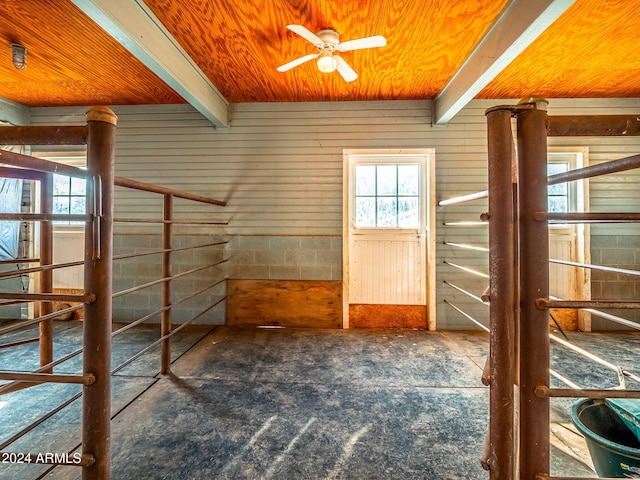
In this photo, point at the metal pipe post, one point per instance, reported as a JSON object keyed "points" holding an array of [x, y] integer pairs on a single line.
{"points": [[534, 284], [96, 402], [166, 286], [502, 308], [46, 276]]}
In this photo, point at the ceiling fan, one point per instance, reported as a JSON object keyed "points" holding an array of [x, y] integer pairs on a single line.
{"points": [[328, 41]]}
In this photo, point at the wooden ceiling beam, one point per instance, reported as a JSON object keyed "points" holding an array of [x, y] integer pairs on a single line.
{"points": [[14, 113], [521, 22], [135, 26]]}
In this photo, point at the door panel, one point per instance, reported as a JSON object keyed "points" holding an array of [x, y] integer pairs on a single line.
{"points": [[387, 270], [387, 223]]}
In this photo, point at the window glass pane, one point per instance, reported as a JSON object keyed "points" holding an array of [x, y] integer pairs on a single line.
{"points": [[365, 212], [60, 204], [553, 168], [559, 193], [60, 185], [387, 180], [408, 179], [408, 212], [77, 205], [559, 189], [365, 180], [387, 212], [558, 204], [78, 186]]}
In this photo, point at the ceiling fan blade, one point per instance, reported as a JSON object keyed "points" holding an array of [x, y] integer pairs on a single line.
{"points": [[368, 42], [345, 70], [296, 62], [306, 34]]}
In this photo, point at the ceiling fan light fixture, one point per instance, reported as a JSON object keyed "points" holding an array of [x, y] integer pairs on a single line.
{"points": [[19, 56], [327, 63]]}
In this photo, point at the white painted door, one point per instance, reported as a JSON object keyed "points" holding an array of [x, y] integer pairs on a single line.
{"points": [[387, 229], [567, 242]]}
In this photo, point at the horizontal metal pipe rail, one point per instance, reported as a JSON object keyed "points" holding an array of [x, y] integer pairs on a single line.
{"points": [[168, 250], [149, 187], [86, 379], [174, 304], [564, 379], [466, 224], [464, 198], [546, 392], [167, 336], [543, 303], [19, 261], [34, 321], [594, 358], [43, 268], [167, 222], [467, 316], [467, 247], [20, 343], [596, 267], [167, 279], [547, 477], [589, 217], [466, 269], [469, 294], [45, 217], [49, 297], [613, 166], [613, 318]]}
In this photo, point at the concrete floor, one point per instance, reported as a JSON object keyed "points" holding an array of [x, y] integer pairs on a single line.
{"points": [[296, 404]]}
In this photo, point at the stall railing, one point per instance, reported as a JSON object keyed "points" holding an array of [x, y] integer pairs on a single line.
{"points": [[519, 279], [520, 338], [96, 299]]}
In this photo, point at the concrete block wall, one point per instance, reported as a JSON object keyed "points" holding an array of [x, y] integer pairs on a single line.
{"points": [[262, 257], [620, 251], [131, 272], [269, 257]]}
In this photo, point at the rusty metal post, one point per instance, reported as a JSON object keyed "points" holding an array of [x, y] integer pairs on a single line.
{"points": [[46, 276], [96, 401], [166, 286], [534, 284], [502, 312]]}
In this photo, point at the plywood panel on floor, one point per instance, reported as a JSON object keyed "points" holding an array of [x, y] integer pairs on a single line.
{"points": [[388, 316], [285, 303], [567, 318]]}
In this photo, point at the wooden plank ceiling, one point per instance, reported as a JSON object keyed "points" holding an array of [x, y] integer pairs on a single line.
{"points": [[590, 51]]}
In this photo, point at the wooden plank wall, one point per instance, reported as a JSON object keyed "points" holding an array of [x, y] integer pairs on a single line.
{"points": [[280, 167]]}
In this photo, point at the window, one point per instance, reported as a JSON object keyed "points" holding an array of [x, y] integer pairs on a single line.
{"points": [[387, 196], [558, 194], [69, 197]]}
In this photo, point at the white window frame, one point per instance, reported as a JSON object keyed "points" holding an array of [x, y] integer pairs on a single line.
{"points": [[73, 158], [387, 160]]}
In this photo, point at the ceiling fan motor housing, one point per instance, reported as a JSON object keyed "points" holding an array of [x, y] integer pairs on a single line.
{"points": [[330, 37]]}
